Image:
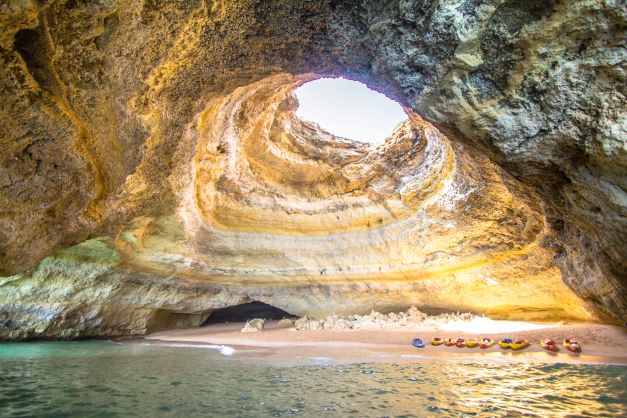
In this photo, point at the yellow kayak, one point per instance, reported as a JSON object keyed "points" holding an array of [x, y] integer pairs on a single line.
{"points": [[506, 343], [486, 343], [472, 343], [437, 341], [519, 345]]}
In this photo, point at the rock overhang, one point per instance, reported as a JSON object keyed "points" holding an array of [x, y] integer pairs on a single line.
{"points": [[102, 103]]}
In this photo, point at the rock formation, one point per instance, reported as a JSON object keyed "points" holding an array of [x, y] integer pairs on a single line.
{"points": [[412, 318], [152, 168], [254, 325]]}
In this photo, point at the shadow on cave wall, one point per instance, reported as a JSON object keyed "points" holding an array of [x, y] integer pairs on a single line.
{"points": [[246, 311]]}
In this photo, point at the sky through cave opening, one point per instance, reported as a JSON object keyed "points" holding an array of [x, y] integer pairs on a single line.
{"points": [[349, 109]]}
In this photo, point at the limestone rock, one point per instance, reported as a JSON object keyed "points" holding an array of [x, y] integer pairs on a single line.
{"points": [[412, 318], [254, 325], [305, 323], [152, 168]]}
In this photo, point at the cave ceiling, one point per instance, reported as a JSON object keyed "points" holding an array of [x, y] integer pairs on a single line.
{"points": [[151, 161]]}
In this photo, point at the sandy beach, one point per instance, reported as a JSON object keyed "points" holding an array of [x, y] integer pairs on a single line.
{"points": [[600, 343]]}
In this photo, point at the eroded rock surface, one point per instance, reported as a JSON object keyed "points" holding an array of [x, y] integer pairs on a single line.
{"points": [[166, 131], [273, 209], [254, 325]]}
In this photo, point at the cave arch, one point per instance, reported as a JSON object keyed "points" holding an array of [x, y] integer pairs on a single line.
{"points": [[101, 135]]}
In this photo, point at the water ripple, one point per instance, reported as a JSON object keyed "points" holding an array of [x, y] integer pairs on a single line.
{"points": [[106, 379]]}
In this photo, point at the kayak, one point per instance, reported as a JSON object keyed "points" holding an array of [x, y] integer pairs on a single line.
{"points": [[506, 343], [572, 345], [472, 343], [450, 341], [460, 342], [548, 344], [437, 341], [519, 345], [486, 343], [417, 342]]}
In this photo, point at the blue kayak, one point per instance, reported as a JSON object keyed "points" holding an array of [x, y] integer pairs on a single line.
{"points": [[417, 342]]}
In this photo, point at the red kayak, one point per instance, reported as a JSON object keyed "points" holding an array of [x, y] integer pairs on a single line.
{"points": [[548, 344], [572, 345]]}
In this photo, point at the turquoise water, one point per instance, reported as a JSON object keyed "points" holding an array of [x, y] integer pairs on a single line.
{"points": [[99, 378]]}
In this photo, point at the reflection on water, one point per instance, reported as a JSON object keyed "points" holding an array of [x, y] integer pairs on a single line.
{"points": [[108, 379]]}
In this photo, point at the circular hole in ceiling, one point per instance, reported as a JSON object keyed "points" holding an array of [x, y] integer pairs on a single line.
{"points": [[349, 109]]}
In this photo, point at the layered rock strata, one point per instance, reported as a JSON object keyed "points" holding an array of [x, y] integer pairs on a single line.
{"points": [[110, 109], [275, 209]]}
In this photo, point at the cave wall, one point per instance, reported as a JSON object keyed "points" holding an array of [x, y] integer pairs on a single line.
{"points": [[99, 100]]}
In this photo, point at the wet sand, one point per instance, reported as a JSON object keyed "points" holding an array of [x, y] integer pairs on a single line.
{"points": [[600, 343]]}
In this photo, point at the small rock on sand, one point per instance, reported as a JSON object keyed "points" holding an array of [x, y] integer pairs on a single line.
{"points": [[254, 325]]}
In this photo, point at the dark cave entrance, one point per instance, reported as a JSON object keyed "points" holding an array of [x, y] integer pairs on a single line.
{"points": [[247, 311]]}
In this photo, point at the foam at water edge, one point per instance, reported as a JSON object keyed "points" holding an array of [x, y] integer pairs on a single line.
{"points": [[224, 349]]}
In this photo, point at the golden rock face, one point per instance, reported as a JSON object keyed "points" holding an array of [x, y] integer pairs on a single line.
{"points": [[274, 204], [275, 209], [259, 168], [151, 152]]}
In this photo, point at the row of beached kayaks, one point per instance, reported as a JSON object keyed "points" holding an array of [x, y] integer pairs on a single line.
{"points": [[505, 343], [570, 343]]}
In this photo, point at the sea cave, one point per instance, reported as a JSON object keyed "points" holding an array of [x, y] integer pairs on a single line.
{"points": [[158, 169]]}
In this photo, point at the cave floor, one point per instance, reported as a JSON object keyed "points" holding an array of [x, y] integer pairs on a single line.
{"points": [[600, 343]]}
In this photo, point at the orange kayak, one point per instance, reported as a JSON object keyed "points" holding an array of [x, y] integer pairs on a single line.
{"points": [[450, 341]]}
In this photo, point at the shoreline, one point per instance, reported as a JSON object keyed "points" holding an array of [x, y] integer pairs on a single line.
{"points": [[606, 344]]}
